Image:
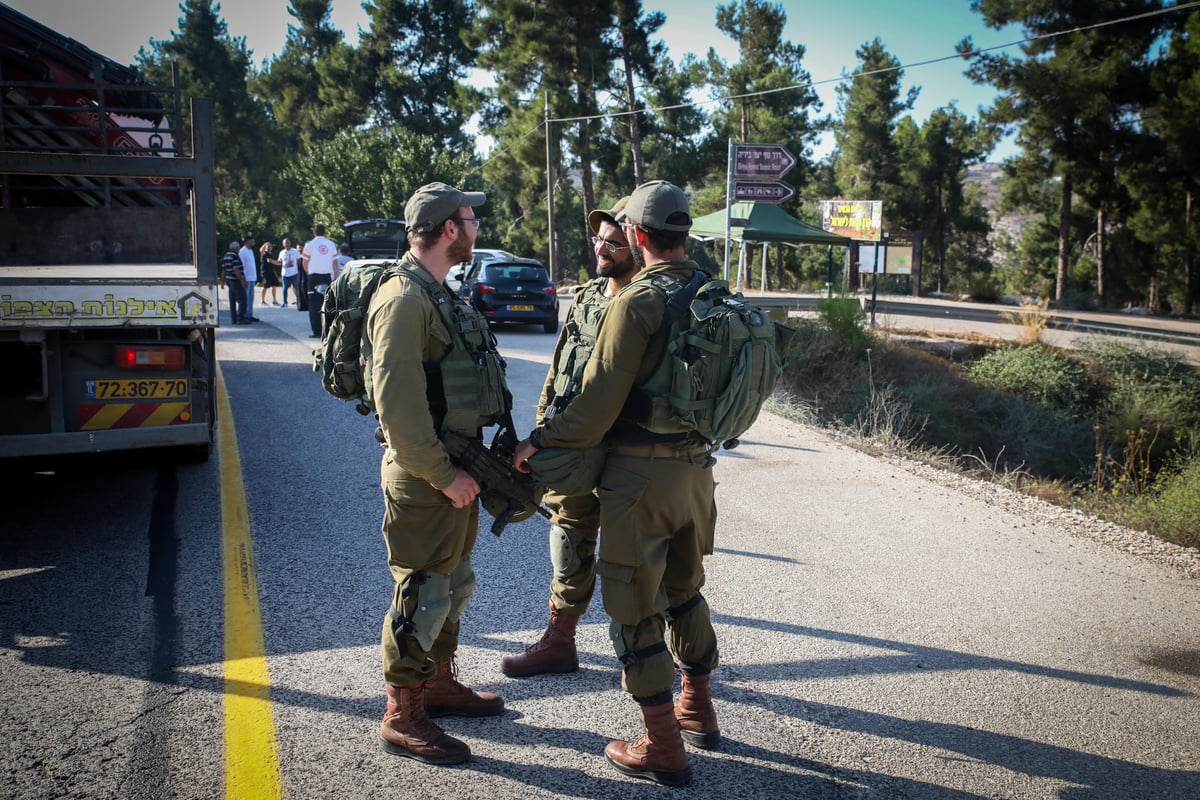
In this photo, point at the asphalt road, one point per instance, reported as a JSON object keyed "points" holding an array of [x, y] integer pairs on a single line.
{"points": [[882, 636]]}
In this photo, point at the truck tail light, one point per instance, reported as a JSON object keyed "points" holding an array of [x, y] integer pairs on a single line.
{"points": [[162, 357]]}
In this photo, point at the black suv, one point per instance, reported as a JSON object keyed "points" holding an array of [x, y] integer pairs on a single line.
{"points": [[516, 290], [376, 239]]}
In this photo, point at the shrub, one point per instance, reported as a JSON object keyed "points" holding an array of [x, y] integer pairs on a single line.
{"points": [[844, 317], [983, 288], [1040, 376], [1116, 424], [1172, 510], [1144, 390]]}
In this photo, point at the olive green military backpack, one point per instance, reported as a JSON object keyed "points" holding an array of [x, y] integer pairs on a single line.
{"points": [[341, 359], [724, 356]]}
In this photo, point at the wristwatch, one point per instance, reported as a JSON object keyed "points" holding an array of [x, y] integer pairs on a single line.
{"points": [[535, 438]]}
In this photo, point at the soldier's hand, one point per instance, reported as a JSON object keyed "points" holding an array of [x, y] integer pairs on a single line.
{"points": [[524, 450], [463, 490]]}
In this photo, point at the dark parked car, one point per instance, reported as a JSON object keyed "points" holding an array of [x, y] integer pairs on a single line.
{"points": [[376, 239], [516, 290]]}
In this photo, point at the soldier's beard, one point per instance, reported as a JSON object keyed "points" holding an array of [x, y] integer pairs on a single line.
{"points": [[459, 251], [639, 256], [614, 268]]}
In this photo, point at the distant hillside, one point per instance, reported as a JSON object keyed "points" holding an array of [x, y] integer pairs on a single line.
{"points": [[987, 177]]}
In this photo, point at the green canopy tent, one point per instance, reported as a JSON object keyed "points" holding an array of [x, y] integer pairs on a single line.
{"points": [[764, 223]]}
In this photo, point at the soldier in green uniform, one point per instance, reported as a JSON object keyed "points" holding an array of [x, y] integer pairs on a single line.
{"points": [[657, 509], [434, 368], [575, 519]]}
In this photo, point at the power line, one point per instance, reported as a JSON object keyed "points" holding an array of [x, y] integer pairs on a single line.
{"points": [[884, 70], [861, 74]]}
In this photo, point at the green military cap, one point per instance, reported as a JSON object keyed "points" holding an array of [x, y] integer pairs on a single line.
{"points": [[434, 203], [661, 206], [614, 215]]}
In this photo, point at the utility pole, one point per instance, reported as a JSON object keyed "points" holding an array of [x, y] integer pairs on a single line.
{"points": [[550, 197]]}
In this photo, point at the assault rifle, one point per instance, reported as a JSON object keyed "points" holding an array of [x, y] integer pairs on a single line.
{"points": [[492, 469]]}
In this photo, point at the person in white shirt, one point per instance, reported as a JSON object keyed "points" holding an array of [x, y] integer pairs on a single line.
{"points": [[320, 262], [250, 270], [290, 258]]}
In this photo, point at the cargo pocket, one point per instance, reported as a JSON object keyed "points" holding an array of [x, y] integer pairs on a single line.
{"points": [[621, 601], [413, 515], [620, 493]]}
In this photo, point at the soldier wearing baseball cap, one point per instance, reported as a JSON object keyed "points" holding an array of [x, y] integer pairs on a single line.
{"points": [[425, 384], [569, 474], [434, 203], [657, 510], [613, 216]]}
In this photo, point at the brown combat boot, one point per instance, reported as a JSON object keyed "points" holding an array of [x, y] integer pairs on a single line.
{"points": [[658, 754], [695, 712], [408, 731], [444, 695], [554, 652]]}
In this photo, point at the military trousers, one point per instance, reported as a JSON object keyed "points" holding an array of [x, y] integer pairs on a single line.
{"points": [[658, 516], [429, 544], [574, 526]]}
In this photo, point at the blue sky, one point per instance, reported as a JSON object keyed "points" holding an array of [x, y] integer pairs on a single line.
{"points": [[830, 33]]}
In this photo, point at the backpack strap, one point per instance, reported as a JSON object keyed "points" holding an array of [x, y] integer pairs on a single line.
{"points": [[443, 301], [457, 371], [679, 301]]}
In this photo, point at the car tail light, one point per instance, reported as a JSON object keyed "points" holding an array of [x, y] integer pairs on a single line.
{"points": [[485, 288], [549, 290], [149, 357]]}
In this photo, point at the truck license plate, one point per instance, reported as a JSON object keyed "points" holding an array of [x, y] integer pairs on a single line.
{"points": [[520, 308], [139, 389]]}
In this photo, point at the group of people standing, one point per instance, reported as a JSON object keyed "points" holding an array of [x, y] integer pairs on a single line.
{"points": [[643, 519], [306, 271]]}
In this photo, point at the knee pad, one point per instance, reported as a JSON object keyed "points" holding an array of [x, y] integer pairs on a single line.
{"points": [[461, 587], [564, 550], [427, 607]]}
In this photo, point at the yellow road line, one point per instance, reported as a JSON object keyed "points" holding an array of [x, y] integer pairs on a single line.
{"points": [[251, 752]]}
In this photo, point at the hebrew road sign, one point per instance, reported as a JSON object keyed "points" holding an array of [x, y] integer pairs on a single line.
{"points": [[768, 161]]}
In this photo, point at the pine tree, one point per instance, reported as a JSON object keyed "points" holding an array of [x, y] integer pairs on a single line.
{"points": [[869, 106], [246, 142], [933, 162], [766, 97], [639, 59], [570, 68], [1164, 174], [414, 57], [1078, 81], [311, 87]]}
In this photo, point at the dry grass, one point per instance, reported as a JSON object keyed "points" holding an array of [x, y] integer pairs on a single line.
{"points": [[1031, 319]]}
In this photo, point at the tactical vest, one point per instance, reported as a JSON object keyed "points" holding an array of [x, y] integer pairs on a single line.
{"points": [[466, 388], [580, 331]]}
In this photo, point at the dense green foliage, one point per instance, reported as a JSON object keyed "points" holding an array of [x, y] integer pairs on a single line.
{"points": [[579, 100], [1045, 377]]}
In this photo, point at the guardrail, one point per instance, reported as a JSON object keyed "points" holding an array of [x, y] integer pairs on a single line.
{"points": [[1179, 332]]}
